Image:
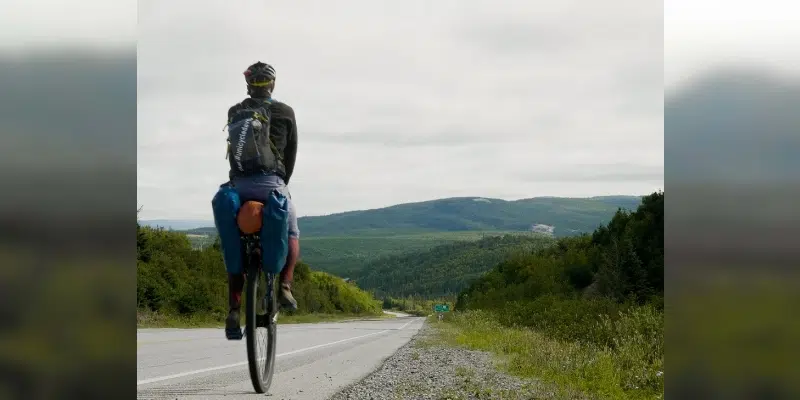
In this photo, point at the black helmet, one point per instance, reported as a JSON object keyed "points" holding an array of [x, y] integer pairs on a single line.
{"points": [[259, 74]]}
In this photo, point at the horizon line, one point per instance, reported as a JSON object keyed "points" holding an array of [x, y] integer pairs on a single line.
{"points": [[211, 219]]}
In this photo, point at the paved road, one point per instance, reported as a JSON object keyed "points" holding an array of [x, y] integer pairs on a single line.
{"points": [[313, 361]]}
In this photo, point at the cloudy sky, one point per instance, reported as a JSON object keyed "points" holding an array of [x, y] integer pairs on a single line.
{"points": [[700, 35], [44, 23], [407, 101], [411, 101]]}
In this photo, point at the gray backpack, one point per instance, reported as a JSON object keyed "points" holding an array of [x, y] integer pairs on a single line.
{"points": [[250, 149]]}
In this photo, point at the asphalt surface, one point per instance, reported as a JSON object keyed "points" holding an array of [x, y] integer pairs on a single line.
{"points": [[314, 361]]}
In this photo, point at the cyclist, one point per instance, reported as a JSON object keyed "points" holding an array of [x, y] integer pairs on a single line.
{"points": [[260, 79]]}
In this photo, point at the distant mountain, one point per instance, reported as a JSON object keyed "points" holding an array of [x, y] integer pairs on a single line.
{"points": [[69, 72], [567, 216], [730, 161], [180, 225], [345, 243], [733, 125]]}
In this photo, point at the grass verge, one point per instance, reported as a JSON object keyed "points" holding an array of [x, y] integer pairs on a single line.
{"points": [[314, 318], [631, 368]]}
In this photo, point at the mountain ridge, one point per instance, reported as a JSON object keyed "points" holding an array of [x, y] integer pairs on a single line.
{"points": [[203, 223], [567, 216], [454, 214], [345, 243]]}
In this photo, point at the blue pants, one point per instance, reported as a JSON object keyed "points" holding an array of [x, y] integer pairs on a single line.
{"points": [[258, 187], [280, 220]]}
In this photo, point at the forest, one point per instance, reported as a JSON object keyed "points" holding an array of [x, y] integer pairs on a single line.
{"points": [[594, 302], [446, 269], [175, 279]]}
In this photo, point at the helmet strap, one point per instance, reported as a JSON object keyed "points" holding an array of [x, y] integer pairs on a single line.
{"points": [[259, 91]]}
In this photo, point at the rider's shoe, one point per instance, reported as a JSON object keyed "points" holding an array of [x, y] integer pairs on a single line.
{"points": [[286, 298], [233, 330]]}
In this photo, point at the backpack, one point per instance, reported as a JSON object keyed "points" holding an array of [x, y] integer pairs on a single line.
{"points": [[250, 149]]}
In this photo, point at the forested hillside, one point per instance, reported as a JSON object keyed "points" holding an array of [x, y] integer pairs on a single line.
{"points": [[350, 256], [446, 269], [174, 279], [586, 312], [623, 260], [568, 216], [344, 244]]}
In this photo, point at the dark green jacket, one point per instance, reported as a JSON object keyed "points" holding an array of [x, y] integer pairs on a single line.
{"points": [[283, 133]]}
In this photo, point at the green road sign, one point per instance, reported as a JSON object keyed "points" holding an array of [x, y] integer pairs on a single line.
{"points": [[441, 308]]}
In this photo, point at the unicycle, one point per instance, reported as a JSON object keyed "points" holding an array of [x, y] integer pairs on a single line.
{"points": [[261, 316], [243, 226]]}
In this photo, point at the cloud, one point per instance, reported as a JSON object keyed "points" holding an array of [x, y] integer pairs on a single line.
{"points": [[404, 101], [700, 37], [33, 24], [599, 173]]}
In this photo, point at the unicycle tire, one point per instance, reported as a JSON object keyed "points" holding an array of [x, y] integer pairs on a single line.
{"points": [[260, 338]]}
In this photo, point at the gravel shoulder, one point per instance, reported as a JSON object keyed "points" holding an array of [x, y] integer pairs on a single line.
{"points": [[427, 368]]}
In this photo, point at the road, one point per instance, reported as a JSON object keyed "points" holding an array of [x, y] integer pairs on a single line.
{"points": [[313, 362]]}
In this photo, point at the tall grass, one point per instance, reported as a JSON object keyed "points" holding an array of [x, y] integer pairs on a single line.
{"points": [[610, 356]]}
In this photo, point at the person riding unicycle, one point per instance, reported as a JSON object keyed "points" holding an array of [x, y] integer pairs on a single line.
{"points": [[262, 148]]}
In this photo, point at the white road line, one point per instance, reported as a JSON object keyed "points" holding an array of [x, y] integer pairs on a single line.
{"points": [[200, 371]]}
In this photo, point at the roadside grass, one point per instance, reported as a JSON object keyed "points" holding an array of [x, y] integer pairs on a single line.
{"points": [[630, 368], [314, 318], [743, 339], [149, 319], [153, 319]]}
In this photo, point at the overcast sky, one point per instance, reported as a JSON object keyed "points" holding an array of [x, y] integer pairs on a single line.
{"points": [[700, 35], [415, 100], [407, 101]]}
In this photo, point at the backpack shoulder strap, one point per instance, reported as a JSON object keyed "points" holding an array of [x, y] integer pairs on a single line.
{"points": [[262, 105], [231, 112]]}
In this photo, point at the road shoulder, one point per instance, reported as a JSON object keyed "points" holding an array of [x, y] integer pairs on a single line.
{"points": [[429, 368]]}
